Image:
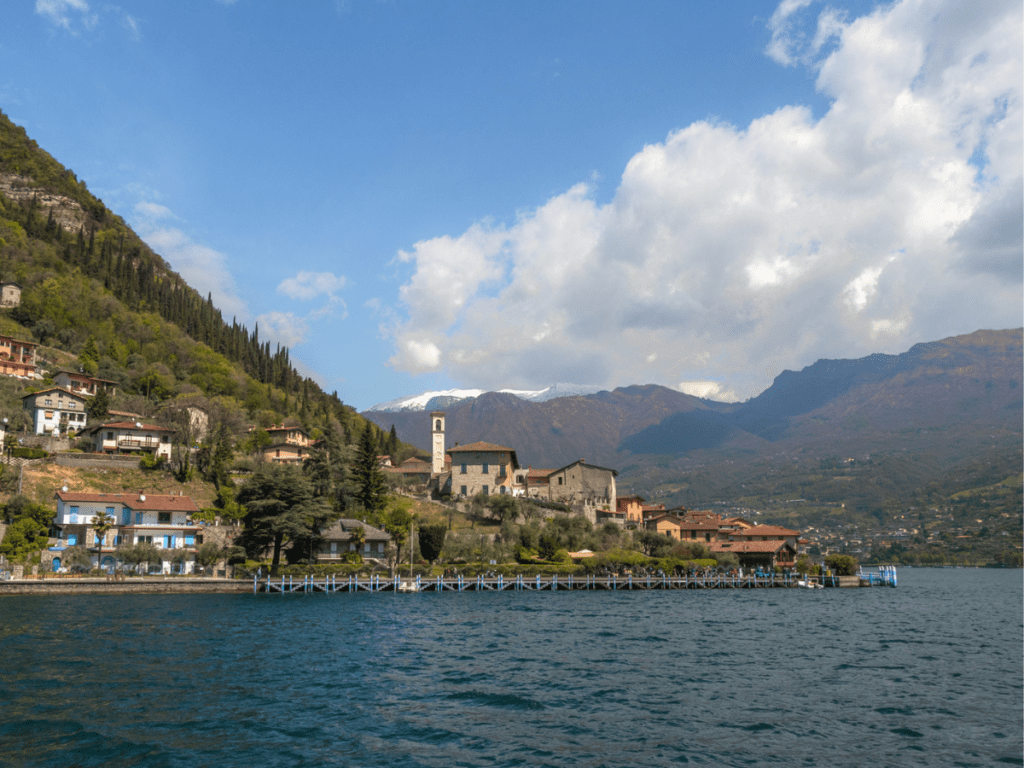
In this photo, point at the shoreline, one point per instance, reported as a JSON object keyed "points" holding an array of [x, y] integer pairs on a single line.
{"points": [[152, 585]]}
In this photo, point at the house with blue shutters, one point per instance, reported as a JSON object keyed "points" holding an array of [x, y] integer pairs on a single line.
{"points": [[162, 520]]}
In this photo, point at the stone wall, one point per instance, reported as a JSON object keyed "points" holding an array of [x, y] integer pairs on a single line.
{"points": [[96, 461]]}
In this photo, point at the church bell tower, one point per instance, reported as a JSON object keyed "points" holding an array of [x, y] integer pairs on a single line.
{"points": [[437, 442]]}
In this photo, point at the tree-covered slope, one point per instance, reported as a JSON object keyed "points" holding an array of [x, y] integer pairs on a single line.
{"points": [[98, 298]]}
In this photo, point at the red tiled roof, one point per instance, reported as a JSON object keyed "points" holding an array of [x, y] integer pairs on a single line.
{"points": [[159, 502], [131, 425], [767, 530], [481, 447], [63, 391], [747, 546]]}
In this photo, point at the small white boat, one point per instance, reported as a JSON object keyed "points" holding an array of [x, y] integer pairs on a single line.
{"points": [[808, 584]]}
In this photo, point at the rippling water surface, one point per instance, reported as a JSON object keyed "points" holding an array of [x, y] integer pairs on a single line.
{"points": [[928, 674]]}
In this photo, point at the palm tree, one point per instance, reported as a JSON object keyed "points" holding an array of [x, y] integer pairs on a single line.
{"points": [[101, 523], [357, 537]]}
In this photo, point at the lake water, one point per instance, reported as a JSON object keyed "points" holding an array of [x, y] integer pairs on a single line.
{"points": [[927, 674]]}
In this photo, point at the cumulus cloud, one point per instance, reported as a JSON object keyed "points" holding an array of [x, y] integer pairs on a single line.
{"points": [[726, 248], [309, 285], [202, 267], [285, 328]]}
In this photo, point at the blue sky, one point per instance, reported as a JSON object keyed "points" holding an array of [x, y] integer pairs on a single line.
{"points": [[423, 195]]}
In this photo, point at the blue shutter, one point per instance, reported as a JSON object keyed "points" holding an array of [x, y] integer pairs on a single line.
{"points": [[72, 539], [190, 540]]}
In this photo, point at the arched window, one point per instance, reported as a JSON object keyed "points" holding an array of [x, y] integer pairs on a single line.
{"points": [[437, 425]]}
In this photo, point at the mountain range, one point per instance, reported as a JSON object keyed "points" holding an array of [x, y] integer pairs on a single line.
{"points": [[943, 402]]}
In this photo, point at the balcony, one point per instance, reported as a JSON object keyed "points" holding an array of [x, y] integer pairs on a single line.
{"points": [[137, 443]]}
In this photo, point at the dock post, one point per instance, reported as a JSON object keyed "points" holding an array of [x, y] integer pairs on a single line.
{"points": [[254, 578], [615, 581], [538, 582]]}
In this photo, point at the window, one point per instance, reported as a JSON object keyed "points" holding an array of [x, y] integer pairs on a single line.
{"points": [[559, 481], [463, 469], [71, 405], [190, 541], [143, 539], [485, 468], [463, 491], [163, 518], [199, 539], [485, 490], [119, 539], [48, 402], [138, 518], [72, 539], [110, 435]]}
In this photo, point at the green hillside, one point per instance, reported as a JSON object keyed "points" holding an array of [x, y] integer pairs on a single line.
{"points": [[97, 298]]}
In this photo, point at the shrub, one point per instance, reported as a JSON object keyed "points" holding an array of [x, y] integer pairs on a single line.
{"points": [[841, 565], [561, 557], [29, 453], [525, 554]]}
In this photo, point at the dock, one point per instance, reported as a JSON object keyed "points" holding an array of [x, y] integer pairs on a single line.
{"points": [[552, 583]]}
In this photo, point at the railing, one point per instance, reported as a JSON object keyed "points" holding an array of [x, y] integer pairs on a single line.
{"points": [[138, 442]]}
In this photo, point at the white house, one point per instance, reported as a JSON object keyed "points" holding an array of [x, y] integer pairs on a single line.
{"points": [[132, 437], [55, 410], [160, 520]]}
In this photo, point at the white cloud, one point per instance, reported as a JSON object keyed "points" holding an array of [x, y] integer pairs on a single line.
{"points": [[67, 13], [710, 390], [309, 285], [283, 327], [726, 248], [202, 267]]}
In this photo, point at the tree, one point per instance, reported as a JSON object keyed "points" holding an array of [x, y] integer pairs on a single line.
{"points": [[503, 506], [280, 507], [654, 544], [841, 565], [147, 554], [357, 538], [398, 524], [101, 523], [431, 539], [98, 407], [77, 559], [371, 490], [23, 537], [128, 554]]}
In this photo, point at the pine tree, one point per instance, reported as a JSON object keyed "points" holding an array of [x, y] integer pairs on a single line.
{"points": [[371, 489]]}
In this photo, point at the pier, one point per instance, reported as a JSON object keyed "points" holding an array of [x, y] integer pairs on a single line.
{"points": [[554, 583]]}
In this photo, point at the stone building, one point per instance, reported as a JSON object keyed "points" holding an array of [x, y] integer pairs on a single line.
{"points": [[481, 468], [10, 295], [582, 483]]}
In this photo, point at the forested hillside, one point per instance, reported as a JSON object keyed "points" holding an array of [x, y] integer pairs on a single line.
{"points": [[99, 299]]}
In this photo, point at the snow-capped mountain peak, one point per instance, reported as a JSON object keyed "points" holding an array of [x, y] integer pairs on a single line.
{"points": [[447, 397]]}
